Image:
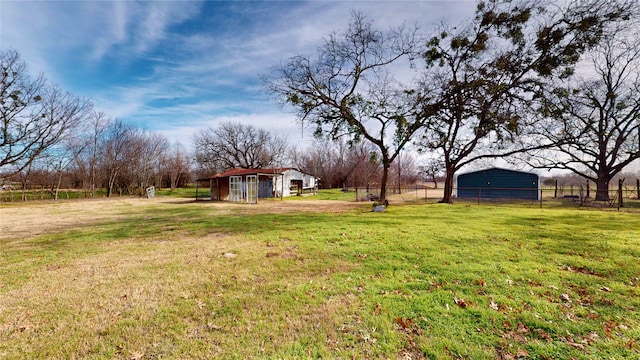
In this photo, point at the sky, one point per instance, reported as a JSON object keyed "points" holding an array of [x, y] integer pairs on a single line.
{"points": [[178, 67]]}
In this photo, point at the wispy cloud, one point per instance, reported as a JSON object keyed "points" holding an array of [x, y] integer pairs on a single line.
{"points": [[118, 19], [179, 66]]}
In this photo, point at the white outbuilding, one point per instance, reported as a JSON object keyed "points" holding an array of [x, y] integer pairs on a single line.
{"points": [[249, 185]]}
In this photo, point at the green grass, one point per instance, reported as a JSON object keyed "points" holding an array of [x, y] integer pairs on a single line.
{"points": [[47, 194], [196, 280], [336, 194], [186, 192], [64, 194]]}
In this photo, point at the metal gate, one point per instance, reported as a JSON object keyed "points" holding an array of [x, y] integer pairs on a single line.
{"points": [[252, 189], [235, 188]]}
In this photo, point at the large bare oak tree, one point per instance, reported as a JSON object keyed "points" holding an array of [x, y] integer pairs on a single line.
{"points": [[232, 145], [348, 88]]}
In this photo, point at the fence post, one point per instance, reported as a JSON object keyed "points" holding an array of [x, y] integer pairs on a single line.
{"points": [[620, 202], [638, 188], [588, 189], [555, 193], [541, 198]]}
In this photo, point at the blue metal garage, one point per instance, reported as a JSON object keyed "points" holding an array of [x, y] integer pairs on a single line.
{"points": [[497, 183]]}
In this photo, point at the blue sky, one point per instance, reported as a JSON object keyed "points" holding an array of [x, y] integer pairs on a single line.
{"points": [[176, 67]]}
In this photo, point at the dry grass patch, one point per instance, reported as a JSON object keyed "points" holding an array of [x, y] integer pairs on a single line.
{"points": [[80, 301], [27, 220], [91, 282]]}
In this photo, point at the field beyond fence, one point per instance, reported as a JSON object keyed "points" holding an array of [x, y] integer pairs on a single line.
{"points": [[545, 196]]}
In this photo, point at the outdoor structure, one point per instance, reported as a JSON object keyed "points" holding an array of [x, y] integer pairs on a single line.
{"points": [[294, 182], [249, 185], [497, 183]]}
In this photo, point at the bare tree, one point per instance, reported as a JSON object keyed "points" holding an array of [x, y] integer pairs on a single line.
{"points": [[33, 116], [339, 165], [59, 160], [348, 89], [324, 159], [74, 112], [233, 145], [142, 154], [98, 125], [24, 177], [362, 167], [595, 121], [177, 165], [404, 171], [113, 152], [432, 170]]}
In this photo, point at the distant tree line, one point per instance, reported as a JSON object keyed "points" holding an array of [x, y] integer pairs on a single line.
{"points": [[52, 139]]}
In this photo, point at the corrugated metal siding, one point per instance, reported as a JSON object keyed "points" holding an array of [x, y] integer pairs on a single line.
{"points": [[498, 183]]}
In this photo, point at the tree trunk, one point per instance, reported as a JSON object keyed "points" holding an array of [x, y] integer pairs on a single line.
{"points": [[55, 196], [175, 179], [448, 186], [383, 181], [602, 190], [399, 176], [620, 200], [92, 181], [112, 180], [24, 191]]}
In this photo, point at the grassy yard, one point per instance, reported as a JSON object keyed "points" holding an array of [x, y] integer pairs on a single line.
{"points": [[171, 278]]}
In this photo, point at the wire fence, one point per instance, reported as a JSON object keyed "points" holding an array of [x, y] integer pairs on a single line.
{"points": [[551, 196], [17, 195], [625, 195]]}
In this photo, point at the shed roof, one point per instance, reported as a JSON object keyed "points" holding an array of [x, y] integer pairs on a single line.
{"points": [[242, 172], [497, 169]]}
